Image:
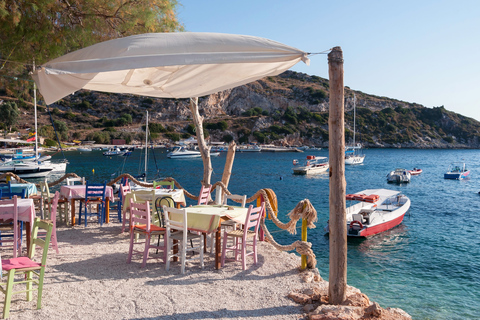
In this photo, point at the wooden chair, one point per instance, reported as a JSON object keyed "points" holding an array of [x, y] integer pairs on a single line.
{"points": [[124, 190], [176, 219], [204, 195], [27, 267], [94, 195], [159, 203], [6, 228], [141, 225], [164, 184], [71, 181], [47, 203], [12, 227], [252, 221], [53, 221]]}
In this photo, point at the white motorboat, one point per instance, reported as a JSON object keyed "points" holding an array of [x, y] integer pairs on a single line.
{"points": [[114, 152], [249, 148], [84, 149], [457, 171], [312, 165], [399, 176], [182, 153], [377, 210]]}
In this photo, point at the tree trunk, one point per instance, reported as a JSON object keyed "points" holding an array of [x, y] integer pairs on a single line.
{"points": [[202, 145], [336, 145], [227, 172]]}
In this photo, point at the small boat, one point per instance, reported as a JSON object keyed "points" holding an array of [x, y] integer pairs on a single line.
{"points": [[399, 176], [376, 211], [354, 153], [312, 165], [32, 169], [183, 153], [457, 170], [249, 148], [113, 152], [84, 149], [415, 171]]}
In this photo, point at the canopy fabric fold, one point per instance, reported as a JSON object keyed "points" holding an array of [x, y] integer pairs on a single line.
{"points": [[166, 65]]}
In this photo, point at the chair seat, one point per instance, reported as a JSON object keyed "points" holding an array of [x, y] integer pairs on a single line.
{"points": [[239, 233], [19, 263], [153, 228], [179, 235]]}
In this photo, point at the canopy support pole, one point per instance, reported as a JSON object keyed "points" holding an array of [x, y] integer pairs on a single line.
{"points": [[202, 145], [336, 145]]}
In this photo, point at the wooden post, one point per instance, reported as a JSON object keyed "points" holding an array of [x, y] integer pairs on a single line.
{"points": [[304, 238], [336, 145], [202, 145]]}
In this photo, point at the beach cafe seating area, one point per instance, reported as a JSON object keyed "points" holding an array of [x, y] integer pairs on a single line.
{"points": [[161, 230]]}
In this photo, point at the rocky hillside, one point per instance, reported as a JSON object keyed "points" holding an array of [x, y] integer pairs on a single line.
{"points": [[289, 109]]}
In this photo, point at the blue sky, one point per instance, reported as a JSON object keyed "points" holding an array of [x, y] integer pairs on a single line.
{"points": [[426, 52]]}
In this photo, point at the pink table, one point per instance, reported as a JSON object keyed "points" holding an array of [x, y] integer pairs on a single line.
{"points": [[77, 192], [26, 213]]}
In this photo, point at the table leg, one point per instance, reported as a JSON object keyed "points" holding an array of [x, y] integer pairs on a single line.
{"points": [[72, 204], [218, 250], [28, 233], [107, 210]]}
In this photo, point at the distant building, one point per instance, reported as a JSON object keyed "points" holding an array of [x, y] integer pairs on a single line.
{"points": [[118, 142]]}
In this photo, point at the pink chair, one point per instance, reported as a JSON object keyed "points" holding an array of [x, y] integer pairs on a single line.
{"points": [[53, 221], [204, 196], [141, 224], [10, 223], [124, 189], [252, 221]]}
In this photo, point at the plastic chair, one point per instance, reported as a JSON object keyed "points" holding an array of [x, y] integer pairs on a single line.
{"points": [[94, 195], [164, 184], [71, 181], [28, 267], [11, 224], [252, 221], [53, 221], [204, 196], [141, 224], [176, 219]]}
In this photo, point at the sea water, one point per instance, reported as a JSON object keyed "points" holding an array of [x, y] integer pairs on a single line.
{"points": [[428, 266]]}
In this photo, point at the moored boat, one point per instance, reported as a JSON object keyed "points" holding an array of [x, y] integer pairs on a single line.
{"points": [[457, 171], [376, 211], [415, 171], [399, 176], [312, 165]]}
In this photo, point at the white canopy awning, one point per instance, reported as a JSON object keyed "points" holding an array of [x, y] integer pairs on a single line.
{"points": [[166, 65]]}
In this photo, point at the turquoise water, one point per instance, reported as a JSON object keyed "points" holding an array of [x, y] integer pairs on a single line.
{"points": [[429, 265]]}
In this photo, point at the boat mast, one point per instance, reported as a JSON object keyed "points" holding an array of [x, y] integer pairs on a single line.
{"points": [[354, 105], [146, 148], [35, 113]]}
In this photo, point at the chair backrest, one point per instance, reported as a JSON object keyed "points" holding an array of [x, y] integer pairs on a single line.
{"points": [[124, 181], [41, 242], [357, 217], [239, 199], [6, 187], [53, 213], [159, 203], [13, 217], [44, 189], [204, 196], [95, 190], [164, 184], [253, 218], [140, 214], [71, 181], [175, 218]]}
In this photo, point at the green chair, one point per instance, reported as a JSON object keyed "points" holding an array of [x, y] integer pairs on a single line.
{"points": [[27, 267], [164, 184]]}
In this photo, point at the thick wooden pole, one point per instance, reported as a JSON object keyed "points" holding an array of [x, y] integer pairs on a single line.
{"points": [[336, 145], [202, 145]]}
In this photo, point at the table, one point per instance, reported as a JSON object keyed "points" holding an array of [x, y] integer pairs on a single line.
{"points": [[26, 213], [146, 195], [207, 218], [77, 192], [30, 188]]}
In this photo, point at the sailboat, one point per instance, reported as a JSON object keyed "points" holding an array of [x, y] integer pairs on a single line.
{"points": [[36, 168], [354, 154]]}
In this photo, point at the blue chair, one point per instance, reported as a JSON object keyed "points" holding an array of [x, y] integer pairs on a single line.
{"points": [[123, 183], [5, 187], [94, 195], [9, 195]]}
